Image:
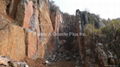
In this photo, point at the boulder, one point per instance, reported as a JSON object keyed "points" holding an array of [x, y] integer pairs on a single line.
{"points": [[4, 61], [7, 62]]}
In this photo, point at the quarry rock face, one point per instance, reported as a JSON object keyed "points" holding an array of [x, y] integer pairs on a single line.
{"points": [[28, 14], [56, 18], [21, 28], [31, 43], [45, 25], [13, 42], [7, 62], [24, 13], [28, 31], [44, 20]]}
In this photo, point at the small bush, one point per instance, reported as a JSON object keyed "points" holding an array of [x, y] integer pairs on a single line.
{"points": [[90, 30]]}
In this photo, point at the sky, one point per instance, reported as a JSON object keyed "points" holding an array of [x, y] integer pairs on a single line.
{"points": [[104, 8]]}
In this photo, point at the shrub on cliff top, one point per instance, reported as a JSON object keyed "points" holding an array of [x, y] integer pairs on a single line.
{"points": [[52, 6], [90, 29]]}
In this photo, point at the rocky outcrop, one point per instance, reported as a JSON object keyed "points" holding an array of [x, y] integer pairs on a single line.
{"points": [[36, 19], [85, 50], [89, 18], [57, 19], [93, 49], [12, 43], [21, 25], [64, 44], [38, 33], [45, 26]]}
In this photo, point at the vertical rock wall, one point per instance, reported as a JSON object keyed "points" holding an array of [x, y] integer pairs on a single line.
{"points": [[12, 42], [21, 25]]}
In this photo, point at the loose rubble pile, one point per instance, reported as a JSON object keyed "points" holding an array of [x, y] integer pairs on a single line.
{"points": [[7, 62]]}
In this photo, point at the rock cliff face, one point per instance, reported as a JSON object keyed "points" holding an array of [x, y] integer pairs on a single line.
{"points": [[36, 30], [12, 42], [21, 25], [93, 48], [45, 25], [85, 50]]}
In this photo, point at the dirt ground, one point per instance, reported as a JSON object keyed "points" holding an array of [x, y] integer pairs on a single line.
{"points": [[41, 63], [35, 63]]}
